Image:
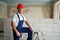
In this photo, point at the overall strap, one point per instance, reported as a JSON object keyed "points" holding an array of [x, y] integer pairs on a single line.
{"points": [[18, 16], [23, 17]]}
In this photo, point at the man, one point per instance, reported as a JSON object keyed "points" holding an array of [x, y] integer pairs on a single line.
{"points": [[17, 21]]}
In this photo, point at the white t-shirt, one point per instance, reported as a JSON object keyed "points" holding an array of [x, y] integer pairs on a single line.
{"points": [[15, 18]]}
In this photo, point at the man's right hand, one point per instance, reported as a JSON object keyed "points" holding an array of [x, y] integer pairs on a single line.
{"points": [[18, 34]]}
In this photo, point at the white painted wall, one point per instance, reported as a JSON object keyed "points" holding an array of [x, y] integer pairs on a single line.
{"points": [[49, 27]]}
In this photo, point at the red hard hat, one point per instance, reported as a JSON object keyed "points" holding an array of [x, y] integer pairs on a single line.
{"points": [[20, 6]]}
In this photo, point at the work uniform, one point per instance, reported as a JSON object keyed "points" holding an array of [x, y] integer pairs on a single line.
{"points": [[19, 20]]}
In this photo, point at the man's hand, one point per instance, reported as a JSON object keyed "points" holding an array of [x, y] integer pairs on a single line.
{"points": [[28, 25], [18, 34], [30, 28]]}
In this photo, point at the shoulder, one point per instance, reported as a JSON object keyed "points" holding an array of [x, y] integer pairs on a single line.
{"points": [[14, 17]]}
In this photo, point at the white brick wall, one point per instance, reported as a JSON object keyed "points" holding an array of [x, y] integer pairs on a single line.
{"points": [[7, 29], [49, 27]]}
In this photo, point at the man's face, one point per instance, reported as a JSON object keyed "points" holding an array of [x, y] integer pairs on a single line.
{"points": [[20, 10]]}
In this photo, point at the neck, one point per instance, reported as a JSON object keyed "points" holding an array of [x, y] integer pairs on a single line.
{"points": [[20, 13]]}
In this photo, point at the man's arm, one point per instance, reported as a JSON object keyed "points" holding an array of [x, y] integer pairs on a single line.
{"points": [[14, 28], [28, 24]]}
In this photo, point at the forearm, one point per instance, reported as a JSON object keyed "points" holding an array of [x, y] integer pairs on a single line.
{"points": [[13, 26], [27, 23]]}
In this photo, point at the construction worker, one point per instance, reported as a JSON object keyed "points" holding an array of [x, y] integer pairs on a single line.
{"points": [[17, 21]]}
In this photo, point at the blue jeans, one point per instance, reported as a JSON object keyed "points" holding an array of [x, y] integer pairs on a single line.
{"points": [[23, 30]]}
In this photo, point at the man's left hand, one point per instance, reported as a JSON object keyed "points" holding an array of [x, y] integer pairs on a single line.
{"points": [[30, 28]]}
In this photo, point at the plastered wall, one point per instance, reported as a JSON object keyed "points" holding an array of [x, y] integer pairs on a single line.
{"points": [[32, 11], [3, 10]]}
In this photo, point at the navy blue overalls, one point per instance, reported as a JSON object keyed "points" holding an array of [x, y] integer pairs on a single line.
{"points": [[22, 30]]}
